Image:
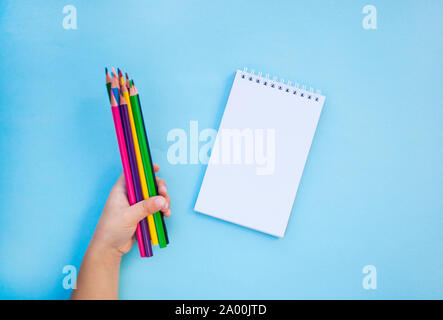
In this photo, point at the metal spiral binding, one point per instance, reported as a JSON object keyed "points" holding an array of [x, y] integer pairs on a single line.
{"points": [[281, 85]]}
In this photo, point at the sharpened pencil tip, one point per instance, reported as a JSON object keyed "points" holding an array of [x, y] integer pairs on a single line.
{"points": [[108, 77], [113, 100], [122, 98]]}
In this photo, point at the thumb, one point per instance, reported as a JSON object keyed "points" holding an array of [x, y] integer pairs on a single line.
{"points": [[141, 209]]}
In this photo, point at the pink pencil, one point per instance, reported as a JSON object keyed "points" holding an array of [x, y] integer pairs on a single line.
{"points": [[126, 166]]}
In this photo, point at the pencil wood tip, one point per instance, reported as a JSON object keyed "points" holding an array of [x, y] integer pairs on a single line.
{"points": [[108, 77], [113, 101], [115, 84], [122, 98], [123, 86]]}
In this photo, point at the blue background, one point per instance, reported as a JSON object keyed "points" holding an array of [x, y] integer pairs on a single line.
{"points": [[371, 192]]}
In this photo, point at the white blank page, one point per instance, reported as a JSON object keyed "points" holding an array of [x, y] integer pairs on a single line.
{"points": [[259, 194]]}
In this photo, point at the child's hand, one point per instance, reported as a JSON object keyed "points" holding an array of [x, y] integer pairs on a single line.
{"points": [[117, 224], [113, 237]]}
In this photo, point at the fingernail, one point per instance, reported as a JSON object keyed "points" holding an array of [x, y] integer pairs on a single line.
{"points": [[163, 189], [159, 202], [166, 205]]}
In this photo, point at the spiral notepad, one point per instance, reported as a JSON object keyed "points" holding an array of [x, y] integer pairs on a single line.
{"points": [[260, 152]]}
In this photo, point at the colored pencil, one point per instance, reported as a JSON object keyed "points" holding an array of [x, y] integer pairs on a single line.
{"points": [[128, 82], [136, 157], [151, 164], [141, 171], [126, 167], [134, 170], [115, 89], [149, 170], [108, 84], [114, 74]]}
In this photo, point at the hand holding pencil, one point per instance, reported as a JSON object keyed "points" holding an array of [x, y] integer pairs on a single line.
{"points": [[113, 237], [118, 222], [137, 204], [136, 158]]}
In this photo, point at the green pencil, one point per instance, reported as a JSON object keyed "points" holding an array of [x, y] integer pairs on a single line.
{"points": [[147, 164], [108, 84]]}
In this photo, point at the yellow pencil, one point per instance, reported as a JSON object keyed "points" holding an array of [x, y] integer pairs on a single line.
{"points": [[151, 223]]}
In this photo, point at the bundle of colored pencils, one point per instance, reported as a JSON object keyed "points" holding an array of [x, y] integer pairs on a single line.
{"points": [[136, 157]]}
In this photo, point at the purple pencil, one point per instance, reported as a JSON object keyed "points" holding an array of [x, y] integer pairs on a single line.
{"points": [[134, 170]]}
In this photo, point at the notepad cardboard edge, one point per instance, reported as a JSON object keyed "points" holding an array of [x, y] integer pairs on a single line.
{"points": [[202, 211]]}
